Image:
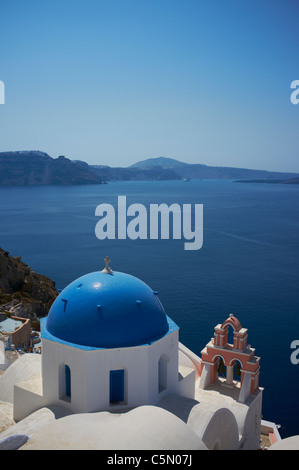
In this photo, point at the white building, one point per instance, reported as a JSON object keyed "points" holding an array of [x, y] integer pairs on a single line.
{"points": [[107, 345], [109, 349]]}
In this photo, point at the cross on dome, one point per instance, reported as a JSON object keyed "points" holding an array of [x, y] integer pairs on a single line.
{"points": [[107, 268]]}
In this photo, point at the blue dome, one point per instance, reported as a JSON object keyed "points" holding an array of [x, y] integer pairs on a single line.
{"points": [[107, 311]]}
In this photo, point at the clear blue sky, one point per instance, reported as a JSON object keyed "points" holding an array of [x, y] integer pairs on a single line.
{"points": [[117, 81]]}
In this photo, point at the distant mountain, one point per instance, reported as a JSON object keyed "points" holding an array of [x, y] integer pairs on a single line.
{"points": [[200, 171], [38, 168], [158, 161]]}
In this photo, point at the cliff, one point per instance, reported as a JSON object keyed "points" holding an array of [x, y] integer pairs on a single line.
{"points": [[38, 168], [23, 292]]}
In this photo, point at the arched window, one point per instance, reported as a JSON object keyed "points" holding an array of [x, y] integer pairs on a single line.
{"points": [[162, 373], [64, 382], [67, 374], [230, 334], [221, 367], [237, 371]]}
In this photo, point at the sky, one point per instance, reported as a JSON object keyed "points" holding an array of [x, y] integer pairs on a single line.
{"points": [[113, 82]]}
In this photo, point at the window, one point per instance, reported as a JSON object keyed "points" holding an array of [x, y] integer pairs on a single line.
{"points": [[117, 386], [221, 367], [64, 382], [67, 373], [237, 371], [162, 371]]}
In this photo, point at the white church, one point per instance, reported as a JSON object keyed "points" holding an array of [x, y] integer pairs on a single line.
{"points": [[113, 375]]}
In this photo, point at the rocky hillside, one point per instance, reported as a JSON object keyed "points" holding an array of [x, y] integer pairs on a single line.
{"points": [[23, 292], [38, 168]]}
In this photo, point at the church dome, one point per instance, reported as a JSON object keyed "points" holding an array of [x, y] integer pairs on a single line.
{"points": [[107, 309]]}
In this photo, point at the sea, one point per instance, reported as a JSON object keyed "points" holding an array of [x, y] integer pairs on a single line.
{"points": [[248, 264]]}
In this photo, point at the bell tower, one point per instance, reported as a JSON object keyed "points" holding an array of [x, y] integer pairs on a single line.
{"points": [[219, 351]]}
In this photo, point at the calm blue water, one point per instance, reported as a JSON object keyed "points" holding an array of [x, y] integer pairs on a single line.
{"points": [[248, 265]]}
